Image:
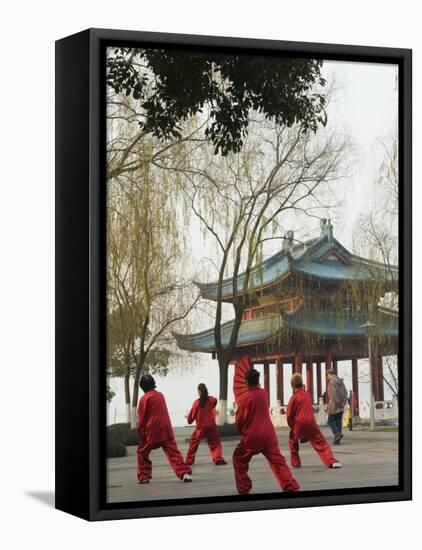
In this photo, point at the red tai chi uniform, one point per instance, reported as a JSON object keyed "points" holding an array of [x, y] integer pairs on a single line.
{"points": [[258, 436], [205, 428], [155, 430], [300, 418]]}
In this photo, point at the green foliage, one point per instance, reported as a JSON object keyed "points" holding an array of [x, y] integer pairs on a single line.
{"points": [[132, 437], [157, 362], [116, 449], [227, 430], [173, 86], [109, 393], [117, 365], [121, 330], [122, 433]]}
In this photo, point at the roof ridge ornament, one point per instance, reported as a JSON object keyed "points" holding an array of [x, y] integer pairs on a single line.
{"points": [[288, 241], [326, 228]]}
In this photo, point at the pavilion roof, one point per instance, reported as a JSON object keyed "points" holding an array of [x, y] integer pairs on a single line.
{"points": [[317, 322], [323, 258]]}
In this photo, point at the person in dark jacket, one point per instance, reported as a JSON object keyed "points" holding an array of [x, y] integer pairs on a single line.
{"points": [[258, 436], [155, 430], [203, 413], [303, 426], [337, 399]]}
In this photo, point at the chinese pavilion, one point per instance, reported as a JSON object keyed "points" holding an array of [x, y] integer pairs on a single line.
{"points": [[309, 304]]}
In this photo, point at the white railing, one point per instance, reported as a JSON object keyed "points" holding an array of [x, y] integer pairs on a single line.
{"points": [[384, 410]]}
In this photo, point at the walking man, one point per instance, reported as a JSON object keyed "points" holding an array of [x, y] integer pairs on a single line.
{"points": [[337, 399]]}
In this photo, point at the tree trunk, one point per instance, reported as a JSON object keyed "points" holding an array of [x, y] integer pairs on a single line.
{"points": [[223, 357], [133, 424], [127, 397], [222, 403], [135, 395]]}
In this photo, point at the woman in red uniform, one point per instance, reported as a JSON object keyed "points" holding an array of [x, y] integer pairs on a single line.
{"points": [[258, 436], [155, 430], [204, 413], [303, 427]]}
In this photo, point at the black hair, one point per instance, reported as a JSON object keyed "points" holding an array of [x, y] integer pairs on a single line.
{"points": [[147, 383], [252, 377], [203, 398]]}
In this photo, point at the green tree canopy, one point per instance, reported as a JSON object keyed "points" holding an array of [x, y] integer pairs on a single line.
{"points": [[157, 362], [172, 86]]}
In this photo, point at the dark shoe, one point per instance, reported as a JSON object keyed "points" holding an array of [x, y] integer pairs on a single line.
{"points": [[340, 437], [221, 462], [143, 481], [187, 478]]}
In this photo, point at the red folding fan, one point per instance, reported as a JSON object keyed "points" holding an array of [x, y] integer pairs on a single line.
{"points": [[239, 381]]}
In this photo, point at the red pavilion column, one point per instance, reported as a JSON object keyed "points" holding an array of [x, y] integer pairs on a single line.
{"points": [[355, 387], [267, 379], [319, 380], [280, 381], [297, 367], [310, 378]]}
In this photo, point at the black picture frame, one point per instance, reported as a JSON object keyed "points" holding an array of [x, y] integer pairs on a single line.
{"points": [[80, 275]]}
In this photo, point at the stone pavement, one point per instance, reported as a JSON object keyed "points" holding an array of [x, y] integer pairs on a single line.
{"points": [[369, 460]]}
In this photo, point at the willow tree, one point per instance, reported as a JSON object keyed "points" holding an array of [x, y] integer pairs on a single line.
{"points": [[148, 293], [241, 200], [145, 287], [120, 340]]}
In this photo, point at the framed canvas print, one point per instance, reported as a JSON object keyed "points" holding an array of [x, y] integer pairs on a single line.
{"points": [[233, 274]]}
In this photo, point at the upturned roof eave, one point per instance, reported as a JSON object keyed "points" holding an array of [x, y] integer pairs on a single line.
{"points": [[209, 290], [300, 321], [277, 333], [312, 276]]}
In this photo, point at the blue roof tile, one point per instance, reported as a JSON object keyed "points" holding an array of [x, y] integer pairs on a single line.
{"points": [[308, 260], [322, 323]]}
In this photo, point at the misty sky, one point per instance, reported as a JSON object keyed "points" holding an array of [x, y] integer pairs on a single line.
{"points": [[365, 108]]}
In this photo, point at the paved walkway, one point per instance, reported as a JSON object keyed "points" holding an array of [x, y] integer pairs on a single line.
{"points": [[369, 459]]}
